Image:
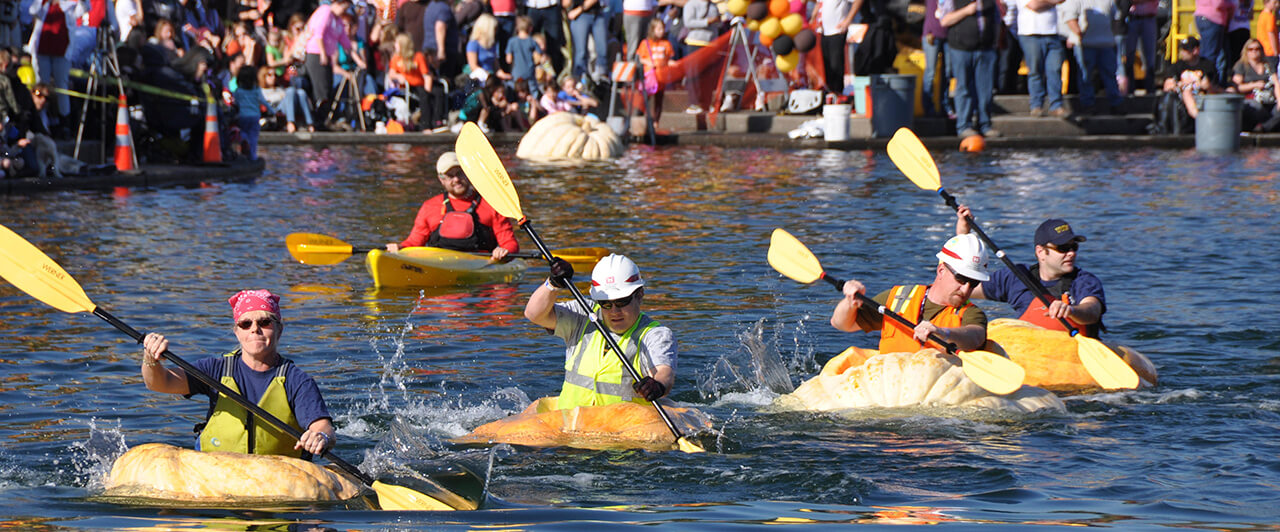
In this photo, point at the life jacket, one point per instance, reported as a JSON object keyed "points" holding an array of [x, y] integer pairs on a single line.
{"points": [[231, 427], [462, 231], [1037, 311], [965, 35], [593, 376], [908, 301]]}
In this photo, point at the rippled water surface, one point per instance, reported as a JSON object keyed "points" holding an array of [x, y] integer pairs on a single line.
{"points": [[1185, 243]]}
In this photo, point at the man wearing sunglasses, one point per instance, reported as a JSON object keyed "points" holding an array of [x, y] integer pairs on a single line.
{"points": [[594, 375], [260, 374], [1077, 295], [940, 308], [459, 219]]}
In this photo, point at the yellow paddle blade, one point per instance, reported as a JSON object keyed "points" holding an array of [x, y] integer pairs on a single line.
{"points": [[400, 498], [791, 258], [485, 170], [994, 373], [581, 257], [1107, 369], [313, 248], [913, 159], [35, 273], [689, 447]]}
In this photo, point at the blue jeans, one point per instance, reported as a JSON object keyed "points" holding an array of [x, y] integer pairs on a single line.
{"points": [[1142, 31], [295, 98], [1213, 46], [975, 73], [595, 26], [1043, 54], [935, 52], [1102, 63], [249, 128], [548, 20]]}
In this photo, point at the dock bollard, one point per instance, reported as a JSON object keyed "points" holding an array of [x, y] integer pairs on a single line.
{"points": [[1218, 123]]}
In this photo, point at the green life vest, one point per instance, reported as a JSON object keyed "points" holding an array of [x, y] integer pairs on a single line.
{"points": [[233, 428], [593, 376]]}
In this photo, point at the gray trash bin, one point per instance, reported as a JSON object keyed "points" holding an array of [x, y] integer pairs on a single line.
{"points": [[1218, 124], [893, 103]]}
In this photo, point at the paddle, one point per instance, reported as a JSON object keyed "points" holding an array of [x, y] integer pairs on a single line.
{"points": [[29, 269], [913, 159], [992, 372], [490, 177], [314, 248]]}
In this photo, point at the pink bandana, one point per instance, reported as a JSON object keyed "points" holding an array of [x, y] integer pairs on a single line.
{"points": [[251, 300]]}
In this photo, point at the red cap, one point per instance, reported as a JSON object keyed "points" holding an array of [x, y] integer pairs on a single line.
{"points": [[251, 300]]}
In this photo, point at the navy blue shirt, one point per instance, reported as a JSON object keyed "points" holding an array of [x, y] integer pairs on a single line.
{"points": [[300, 389], [1005, 286], [439, 11]]}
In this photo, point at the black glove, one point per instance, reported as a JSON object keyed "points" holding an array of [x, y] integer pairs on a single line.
{"points": [[650, 389], [561, 272]]}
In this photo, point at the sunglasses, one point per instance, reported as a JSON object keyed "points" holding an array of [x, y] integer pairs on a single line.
{"points": [[622, 302], [1065, 248], [263, 323], [1253, 49], [973, 283]]}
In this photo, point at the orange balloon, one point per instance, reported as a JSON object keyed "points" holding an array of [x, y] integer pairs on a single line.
{"points": [[973, 144], [765, 40], [779, 8]]}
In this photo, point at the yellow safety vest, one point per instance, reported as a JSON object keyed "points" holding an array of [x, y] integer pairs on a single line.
{"points": [[232, 427], [593, 376], [909, 302]]}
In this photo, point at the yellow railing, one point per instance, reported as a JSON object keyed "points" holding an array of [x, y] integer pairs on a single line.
{"points": [[1182, 23]]}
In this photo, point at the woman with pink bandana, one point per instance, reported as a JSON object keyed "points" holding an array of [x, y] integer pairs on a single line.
{"points": [[260, 374]]}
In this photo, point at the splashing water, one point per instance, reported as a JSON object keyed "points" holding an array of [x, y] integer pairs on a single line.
{"points": [[93, 457]]}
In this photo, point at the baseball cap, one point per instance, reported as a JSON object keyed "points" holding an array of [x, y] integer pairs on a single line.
{"points": [[1056, 231], [1189, 43], [446, 161]]}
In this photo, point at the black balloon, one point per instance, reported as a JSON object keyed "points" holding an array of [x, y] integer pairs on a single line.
{"points": [[783, 44], [758, 10], [805, 40]]}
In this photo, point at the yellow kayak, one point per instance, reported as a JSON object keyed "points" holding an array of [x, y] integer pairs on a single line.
{"points": [[428, 267], [615, 426]]}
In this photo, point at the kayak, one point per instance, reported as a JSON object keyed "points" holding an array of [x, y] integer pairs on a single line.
{"points": [[616, 426], [866, 378], [161, 471], [1049, 356], [428, 267]]}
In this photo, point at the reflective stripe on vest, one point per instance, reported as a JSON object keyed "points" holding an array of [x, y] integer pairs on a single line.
{"points": [[594, 376], [909, 302], [233, 428]]}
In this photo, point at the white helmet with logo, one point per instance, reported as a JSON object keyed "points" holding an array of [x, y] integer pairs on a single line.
{"points": [[966, 255], [614, 277]]}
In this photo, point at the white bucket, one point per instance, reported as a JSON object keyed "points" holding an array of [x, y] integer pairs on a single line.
{"points": [[835, 121]]}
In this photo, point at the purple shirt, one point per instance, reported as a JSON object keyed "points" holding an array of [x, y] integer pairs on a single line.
{"points": [[931, 24]]}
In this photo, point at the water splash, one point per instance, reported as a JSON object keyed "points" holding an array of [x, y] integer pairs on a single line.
{"points": [[758, 371], [93, 457]]}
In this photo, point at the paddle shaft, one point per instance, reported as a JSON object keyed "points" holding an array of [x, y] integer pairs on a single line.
{"points": [[235, 396], [950, 347], [1022, 274], [595, 320]]}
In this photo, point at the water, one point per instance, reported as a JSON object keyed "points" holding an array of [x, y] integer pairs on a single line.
{"points": [[1181, 240]]}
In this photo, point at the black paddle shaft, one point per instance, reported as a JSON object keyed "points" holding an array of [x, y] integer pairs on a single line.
{"points": [[608, 336], [1022, 274], [950, 347], [235, 396]]}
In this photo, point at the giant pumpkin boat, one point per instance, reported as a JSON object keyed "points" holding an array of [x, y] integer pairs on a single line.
{"points": [[616, 426]]}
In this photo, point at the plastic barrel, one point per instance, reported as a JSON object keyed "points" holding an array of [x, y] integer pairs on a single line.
{"points": [[893, 98], [859, 91], [1218, 124], [835, 121]]}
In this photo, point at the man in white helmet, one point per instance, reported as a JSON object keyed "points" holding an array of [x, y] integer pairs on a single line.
{"points": [[593, 374], [1076, 295], [941, 308]]}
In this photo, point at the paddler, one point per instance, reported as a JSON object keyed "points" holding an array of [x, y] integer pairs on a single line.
{"points": [[466, 222], [593, 374], [1076, 294], [258, 372], [941, 308]]}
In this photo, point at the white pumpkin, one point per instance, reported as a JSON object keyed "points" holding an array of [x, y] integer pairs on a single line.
{"points": [[160, 471], [864, 378], [569, 136]]}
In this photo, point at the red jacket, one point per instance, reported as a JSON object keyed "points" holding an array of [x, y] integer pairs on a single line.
{"points": [[430, 213]]}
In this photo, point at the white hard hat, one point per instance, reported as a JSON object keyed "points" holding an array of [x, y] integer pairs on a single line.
{"points": [[614, 277], [966, 255]]}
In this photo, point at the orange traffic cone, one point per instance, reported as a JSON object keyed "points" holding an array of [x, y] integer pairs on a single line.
{"points": [[212, 144], [124, 139]]}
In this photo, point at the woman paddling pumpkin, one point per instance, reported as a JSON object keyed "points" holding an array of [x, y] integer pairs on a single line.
{"points": [[261, 374]]}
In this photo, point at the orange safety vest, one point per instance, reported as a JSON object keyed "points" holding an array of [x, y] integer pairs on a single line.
{"points": [[908, 301], [1038, 313]]}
